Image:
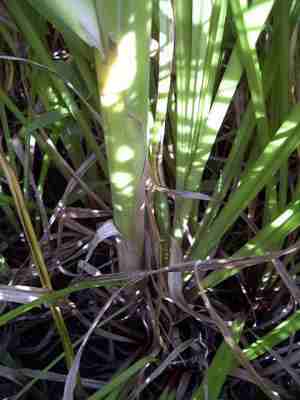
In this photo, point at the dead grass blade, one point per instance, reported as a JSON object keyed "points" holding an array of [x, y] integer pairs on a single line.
{"points": [[229, 339], [163, 365], [21, 294], [17, 375], [74, 370]]}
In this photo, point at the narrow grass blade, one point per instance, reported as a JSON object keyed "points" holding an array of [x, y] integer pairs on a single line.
{"points": [[122, 378], [251, 64], [236, 351], [280, 102], [282, 332], [219, 368], [255, 82], [74, 370], [267, 238], [53, 297], [20, 294], [274, 155], [22, 13], [197, 28], [37, 255], [164, 364], [164, 15]]}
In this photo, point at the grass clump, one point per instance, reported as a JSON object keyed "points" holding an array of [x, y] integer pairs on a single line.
{"points": [[149, 199]]}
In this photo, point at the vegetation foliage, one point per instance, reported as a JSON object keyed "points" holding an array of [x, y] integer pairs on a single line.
{"points": [[149, 199]]}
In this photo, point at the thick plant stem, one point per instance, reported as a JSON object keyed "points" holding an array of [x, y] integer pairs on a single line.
{"points": [[123, 84]]}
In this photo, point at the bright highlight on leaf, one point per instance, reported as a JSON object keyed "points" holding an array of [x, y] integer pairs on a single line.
{"points": [[124, 153], [121, 179], [123, 64]]}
